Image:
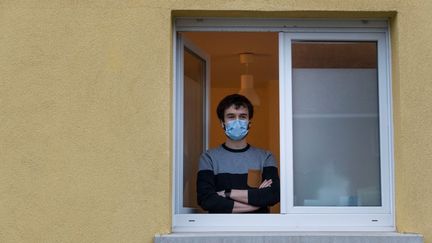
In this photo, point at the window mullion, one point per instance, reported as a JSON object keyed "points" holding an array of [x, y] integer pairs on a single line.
{"points": [[286, 138]]}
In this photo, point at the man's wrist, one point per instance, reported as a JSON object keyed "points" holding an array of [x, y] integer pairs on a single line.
{"points": [[228, 193]]}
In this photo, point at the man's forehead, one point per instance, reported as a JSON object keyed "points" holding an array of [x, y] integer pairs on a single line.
{"points": [[237, 109]]}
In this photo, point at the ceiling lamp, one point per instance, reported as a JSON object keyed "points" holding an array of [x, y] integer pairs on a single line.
{"points": [[247, 80]]}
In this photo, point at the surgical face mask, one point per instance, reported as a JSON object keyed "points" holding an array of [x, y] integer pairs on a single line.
{"points": [[237, 129]]}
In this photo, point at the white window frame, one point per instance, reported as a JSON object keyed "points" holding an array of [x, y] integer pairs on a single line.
{"points": [[179, 111], [296, 218]]}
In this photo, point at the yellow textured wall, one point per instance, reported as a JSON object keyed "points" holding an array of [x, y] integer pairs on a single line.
{"points": [[85, 112]]}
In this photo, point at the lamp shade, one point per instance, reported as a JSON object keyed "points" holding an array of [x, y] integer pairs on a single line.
{"points": [[247, 89]]}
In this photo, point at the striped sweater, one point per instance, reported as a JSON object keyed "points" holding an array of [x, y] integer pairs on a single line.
{"points": [[225, 168]]}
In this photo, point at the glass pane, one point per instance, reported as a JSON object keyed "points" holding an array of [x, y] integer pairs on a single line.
{"points": [[336, 124], [194, 118]]}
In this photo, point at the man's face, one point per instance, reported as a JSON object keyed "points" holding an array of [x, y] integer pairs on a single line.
{"points": [[241, 113]]}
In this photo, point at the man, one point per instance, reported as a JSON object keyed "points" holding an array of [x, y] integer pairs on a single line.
{"points": [[222, 182]]}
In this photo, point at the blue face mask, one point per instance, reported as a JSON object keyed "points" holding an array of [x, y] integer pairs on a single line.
{"points": [[237, 129]]}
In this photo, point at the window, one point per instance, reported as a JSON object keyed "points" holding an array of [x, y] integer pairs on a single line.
{"points": [[333, 128]]}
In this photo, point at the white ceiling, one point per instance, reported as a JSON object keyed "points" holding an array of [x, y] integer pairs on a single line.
{"points": [[224, 49]]}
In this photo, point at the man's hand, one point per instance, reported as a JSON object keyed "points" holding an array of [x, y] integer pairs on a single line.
{"points": [[266, 183], [240, 207], [221, 193]]}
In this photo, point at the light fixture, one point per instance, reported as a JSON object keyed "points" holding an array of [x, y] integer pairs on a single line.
{"points": [[247, 80]]}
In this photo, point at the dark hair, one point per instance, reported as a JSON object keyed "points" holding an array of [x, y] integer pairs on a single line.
{"points": [[236, 100]]}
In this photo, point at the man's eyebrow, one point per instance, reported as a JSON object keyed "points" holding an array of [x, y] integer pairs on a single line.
{"points": [[240, 114]]}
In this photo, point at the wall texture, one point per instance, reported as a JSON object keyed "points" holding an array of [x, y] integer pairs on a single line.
{"points": [[86, 103]]}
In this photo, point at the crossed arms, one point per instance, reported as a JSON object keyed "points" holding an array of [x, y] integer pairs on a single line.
{"points": [[240, 201]]}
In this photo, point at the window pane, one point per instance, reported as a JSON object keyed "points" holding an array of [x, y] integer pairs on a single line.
{"points": [[194, 118], [336, 124]]}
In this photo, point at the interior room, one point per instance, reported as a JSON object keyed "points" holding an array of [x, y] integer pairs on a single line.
{"points": [[245, 63]]}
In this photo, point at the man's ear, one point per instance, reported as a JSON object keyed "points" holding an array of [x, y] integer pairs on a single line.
{"points": [[222, 124]]}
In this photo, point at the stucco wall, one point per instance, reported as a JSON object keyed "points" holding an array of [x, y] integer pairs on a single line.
{"points": [[86, 101]]}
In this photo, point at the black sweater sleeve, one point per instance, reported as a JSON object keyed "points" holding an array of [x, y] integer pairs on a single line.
{"points": [[268, 196], [207, 196]]}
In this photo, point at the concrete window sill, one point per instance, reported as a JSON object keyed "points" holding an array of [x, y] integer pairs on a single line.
{"points": [[290, 237]]}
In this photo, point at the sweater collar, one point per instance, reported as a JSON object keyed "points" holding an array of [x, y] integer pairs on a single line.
{"points": [[236, 150]]}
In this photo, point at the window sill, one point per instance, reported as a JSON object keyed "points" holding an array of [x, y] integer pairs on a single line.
{"points": [[294, 237]]}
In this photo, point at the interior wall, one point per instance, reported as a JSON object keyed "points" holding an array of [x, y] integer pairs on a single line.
{"points": [[223, 49]]}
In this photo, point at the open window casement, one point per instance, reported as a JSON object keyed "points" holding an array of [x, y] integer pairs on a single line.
{"points": [[191, 121]]}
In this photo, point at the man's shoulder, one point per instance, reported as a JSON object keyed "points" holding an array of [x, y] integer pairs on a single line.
{"points": [[210, 158], [211, 152], [261, 151], [221, 150]]}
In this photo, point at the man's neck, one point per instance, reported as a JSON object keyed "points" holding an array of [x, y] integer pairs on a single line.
{"points": [[236, 144]]}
